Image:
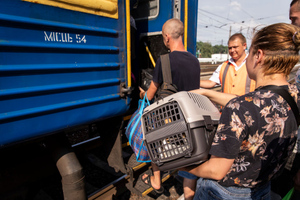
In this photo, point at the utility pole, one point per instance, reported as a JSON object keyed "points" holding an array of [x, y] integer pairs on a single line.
{"points": [[228, 38]]}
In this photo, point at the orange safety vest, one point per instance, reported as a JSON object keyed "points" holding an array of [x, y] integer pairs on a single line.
{"points": [[235, 82]]}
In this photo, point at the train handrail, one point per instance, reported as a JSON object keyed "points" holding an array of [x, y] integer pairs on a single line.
{"points": [[128, 35]]}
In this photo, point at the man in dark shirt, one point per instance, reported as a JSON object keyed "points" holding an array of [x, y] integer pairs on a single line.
{"points": [[185, 70]]}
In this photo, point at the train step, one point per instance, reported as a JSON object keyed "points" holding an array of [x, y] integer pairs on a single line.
{"points": [[101, 164], [136, 170], [146, 189], [173, 188]]}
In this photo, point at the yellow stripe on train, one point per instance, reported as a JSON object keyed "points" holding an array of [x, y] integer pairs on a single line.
{"points": [[106, 8]]}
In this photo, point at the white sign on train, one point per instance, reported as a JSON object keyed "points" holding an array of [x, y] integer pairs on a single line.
{"points": [[63, 37]]}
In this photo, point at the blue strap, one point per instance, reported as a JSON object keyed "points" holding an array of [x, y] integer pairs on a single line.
{"points": [[141, 103], [141, 108], [145, 101], [134, 126]]}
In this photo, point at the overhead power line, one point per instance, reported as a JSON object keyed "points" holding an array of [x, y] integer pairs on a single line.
{"points": [[215, 15], [213, 19], [232, 21]]}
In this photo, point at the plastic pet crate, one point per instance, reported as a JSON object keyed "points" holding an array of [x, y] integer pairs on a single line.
{"points": [[179, 129]]}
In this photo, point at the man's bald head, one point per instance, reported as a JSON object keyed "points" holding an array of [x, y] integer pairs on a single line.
{"points": [[173, 27]]}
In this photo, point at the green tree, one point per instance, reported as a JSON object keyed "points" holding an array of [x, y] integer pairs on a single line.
{"points": [[206, 49], [220, 49]]}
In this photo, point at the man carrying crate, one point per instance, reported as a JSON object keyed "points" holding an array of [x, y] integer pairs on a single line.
{"points": [[185, 71]]}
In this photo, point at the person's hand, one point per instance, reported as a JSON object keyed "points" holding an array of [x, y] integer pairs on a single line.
{"points": [[142, 92]]}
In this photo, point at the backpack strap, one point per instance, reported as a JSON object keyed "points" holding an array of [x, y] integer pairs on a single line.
{"points": [[166, 68], [287, 96], [224, 76]]}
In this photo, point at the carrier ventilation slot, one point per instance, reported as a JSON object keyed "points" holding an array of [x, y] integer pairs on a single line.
{"points": [[201, 101], [161, 116], [170, 147]]}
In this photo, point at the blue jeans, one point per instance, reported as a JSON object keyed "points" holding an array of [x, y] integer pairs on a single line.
{"points": [[209, 189]]}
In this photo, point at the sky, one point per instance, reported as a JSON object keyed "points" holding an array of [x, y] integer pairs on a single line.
{"points": [[218, 19]]}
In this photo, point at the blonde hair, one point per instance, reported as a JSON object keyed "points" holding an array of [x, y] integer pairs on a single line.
{"points": [[280, 44]]}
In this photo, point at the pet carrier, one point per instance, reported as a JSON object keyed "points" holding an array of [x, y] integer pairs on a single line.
{"points": [[179, 129]]}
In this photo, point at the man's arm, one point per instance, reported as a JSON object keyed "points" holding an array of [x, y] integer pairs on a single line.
{"points": [[215, 168], [150, 92], [207, 84], [213, 80]]}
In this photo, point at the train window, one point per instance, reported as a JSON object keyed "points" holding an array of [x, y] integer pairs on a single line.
{"points": [[145, 9]]}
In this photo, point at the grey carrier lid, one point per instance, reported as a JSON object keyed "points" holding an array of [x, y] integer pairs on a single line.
{"points": [[193, 107]]}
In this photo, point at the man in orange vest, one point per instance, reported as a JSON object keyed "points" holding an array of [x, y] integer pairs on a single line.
{"points": [[232, 75]]}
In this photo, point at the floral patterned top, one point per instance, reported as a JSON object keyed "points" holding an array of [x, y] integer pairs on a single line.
{"points": [[258, 130]]}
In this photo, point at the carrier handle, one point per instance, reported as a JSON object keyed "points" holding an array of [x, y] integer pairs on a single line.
{"points": [[208, 122]]}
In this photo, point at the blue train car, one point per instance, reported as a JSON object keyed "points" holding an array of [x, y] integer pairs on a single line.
{"points": [[59, 67], [67, 63]]}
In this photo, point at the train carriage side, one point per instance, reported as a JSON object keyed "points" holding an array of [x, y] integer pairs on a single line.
{"points": [[62, 64]]}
